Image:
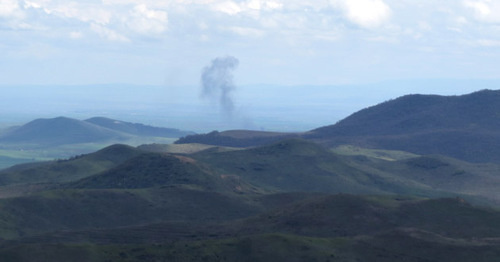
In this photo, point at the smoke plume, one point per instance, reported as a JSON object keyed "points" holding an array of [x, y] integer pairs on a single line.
{"points": [[217, 82]]}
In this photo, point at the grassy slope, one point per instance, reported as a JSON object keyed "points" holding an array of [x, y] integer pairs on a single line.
{"points": [[180, 148], [389, 155], [67, 170], [72, 209], [299, 165]]}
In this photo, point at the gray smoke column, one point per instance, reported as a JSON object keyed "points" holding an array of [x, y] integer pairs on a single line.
{"points": [[217, 82]]}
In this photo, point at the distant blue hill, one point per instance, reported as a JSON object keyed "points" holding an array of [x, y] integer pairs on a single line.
{"points": [[137, 128], [63, 130]]}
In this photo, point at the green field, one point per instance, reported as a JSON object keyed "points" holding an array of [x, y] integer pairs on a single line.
{"points": [[16, 154]]}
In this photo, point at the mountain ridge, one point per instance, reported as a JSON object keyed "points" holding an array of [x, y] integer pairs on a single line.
{"points": [[466, 127], [64, 130], [137, 128]]}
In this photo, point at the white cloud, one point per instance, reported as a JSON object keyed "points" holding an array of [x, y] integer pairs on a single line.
{"points": [[10, 8], [365, 13], [480, 7], [29, 4], [228, 7], [246, 7], [148, 21], [484, 10], [263, 5], [82, 12]]}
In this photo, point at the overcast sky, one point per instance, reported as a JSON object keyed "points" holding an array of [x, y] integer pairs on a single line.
{"points": [[278, 42]]}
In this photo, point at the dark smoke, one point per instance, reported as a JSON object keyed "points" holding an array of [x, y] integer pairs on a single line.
{"points": [[217, 82]]}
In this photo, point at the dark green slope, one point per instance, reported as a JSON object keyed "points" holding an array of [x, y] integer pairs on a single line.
{"points": [[465, 127], [396, 246], [76, 210], [349, 215], [136, 128], [59, 131], [419, 113], [443, 173], [321, 228], [152, 170], [68, 170], [236, 138], [299, 165]]}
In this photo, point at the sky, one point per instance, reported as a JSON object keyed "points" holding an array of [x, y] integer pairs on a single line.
{"points": [[277, 43]]}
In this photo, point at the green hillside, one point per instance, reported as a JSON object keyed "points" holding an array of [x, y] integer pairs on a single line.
{"points": [[68, 170], [235, 138], [152, 170], [464, 127], [267, 203], [299, 165], [321, 228]]}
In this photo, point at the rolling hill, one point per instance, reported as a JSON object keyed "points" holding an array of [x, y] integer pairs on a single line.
{"points": [[318, 228], [264, 203], [137, 129], [289, 165], [299, 165], [60, 171], [63, 130], [465, 127], [58, 131], [236, 138], [62, 137]]}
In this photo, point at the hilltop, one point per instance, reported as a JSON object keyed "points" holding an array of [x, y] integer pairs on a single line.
{"points": [[64, 130], [466, 127], [235, 138], [137, 129], [57, 131], [62, 137]]}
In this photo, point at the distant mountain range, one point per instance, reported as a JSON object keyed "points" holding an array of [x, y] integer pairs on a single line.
{"points": [[465, 127], [63, 130]]}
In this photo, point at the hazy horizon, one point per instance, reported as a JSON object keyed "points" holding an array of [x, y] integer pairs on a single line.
{"points": [[257, 107], [269, 64]]}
